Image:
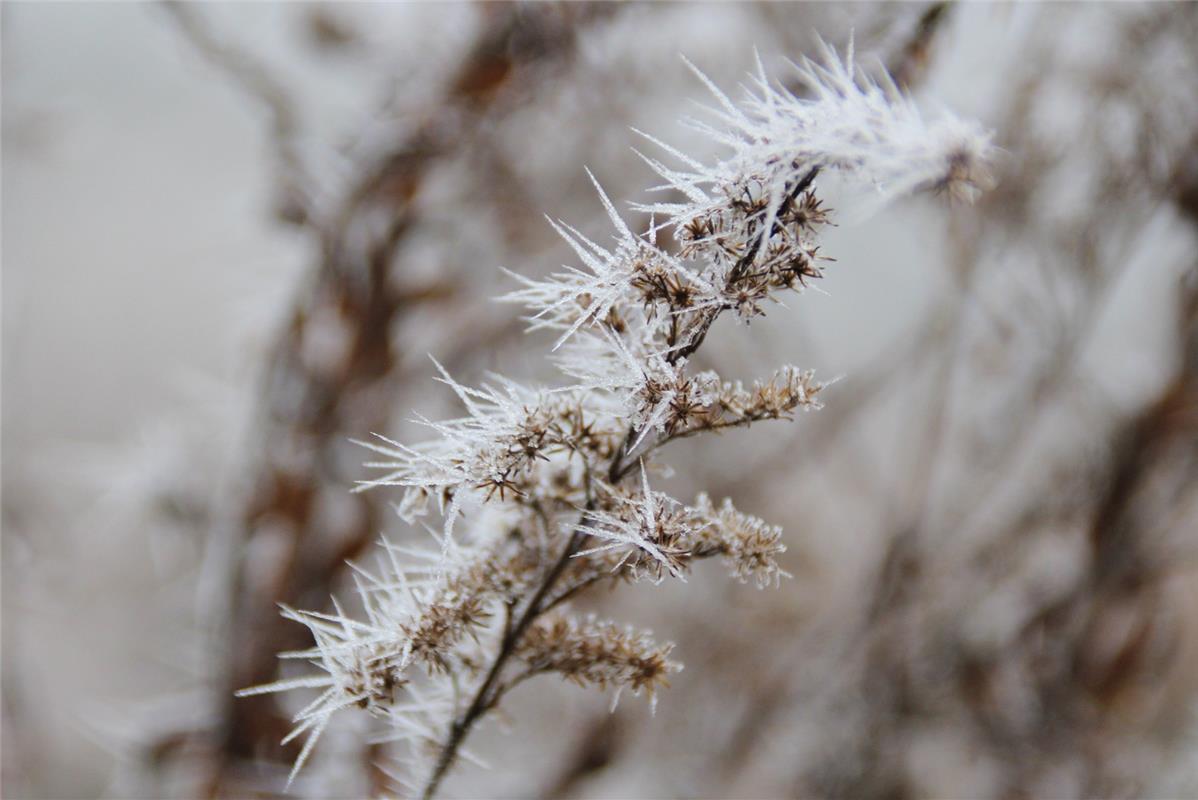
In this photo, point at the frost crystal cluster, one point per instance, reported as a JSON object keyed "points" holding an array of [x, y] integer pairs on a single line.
{"points": [[545, 492]]}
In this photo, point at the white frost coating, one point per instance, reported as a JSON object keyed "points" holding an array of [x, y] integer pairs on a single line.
{"points": [[848, 122]]}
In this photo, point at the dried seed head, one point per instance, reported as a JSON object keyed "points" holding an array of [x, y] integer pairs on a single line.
{"points": [[598, 653], [748, 545]]}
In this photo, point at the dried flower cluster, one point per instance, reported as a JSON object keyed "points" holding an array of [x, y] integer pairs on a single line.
{"points": [[596, 653], [531, 481]]}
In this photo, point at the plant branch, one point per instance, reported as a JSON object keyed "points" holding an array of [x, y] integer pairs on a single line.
{"points": [[482, 697]]}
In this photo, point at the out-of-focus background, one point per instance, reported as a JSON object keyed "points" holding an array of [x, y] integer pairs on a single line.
{"points": [[232, 234]]}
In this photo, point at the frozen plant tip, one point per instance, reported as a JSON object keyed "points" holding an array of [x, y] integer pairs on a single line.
{"points": [[532, 483]]}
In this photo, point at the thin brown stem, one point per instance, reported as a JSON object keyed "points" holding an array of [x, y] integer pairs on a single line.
{"points": [[487, 694], [483, 699], [569, 593]]}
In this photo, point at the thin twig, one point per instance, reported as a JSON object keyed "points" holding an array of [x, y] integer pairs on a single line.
{"points": [[482, 697]]}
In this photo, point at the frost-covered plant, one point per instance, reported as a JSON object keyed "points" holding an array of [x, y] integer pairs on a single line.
{"points": [[532, 482]]}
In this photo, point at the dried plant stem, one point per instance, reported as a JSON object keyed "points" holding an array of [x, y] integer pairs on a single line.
{"points": [[489, 692], [484, 698]]}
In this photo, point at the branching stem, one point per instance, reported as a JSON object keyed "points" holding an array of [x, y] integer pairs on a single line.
{"points": [[484, 698]]}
